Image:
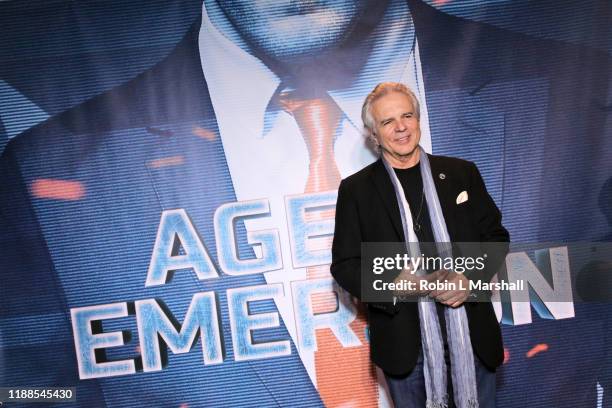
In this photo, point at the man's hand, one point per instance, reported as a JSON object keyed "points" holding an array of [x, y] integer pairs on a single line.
{"points": [[408, 276], [456, 297]]}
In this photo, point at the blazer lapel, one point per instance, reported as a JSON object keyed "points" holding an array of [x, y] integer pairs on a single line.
{"points": [[445, 196], [385, 189]]}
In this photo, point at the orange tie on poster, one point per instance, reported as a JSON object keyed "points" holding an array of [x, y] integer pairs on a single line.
{"points": [[345, 376]]}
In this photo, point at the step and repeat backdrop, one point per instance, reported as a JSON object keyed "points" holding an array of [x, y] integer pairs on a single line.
{"points": [[168, 176]]}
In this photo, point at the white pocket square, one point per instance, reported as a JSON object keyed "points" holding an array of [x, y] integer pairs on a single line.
{"points": [[462, 197]]}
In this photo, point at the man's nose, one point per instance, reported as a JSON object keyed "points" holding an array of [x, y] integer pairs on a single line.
{"points": [[400, 126]]}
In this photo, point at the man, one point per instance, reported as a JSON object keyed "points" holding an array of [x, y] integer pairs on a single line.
{"points": [[261, 59], [457, 208]]}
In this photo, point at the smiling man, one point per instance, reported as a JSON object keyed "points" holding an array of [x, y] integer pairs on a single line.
{"points": [[412, 197]]}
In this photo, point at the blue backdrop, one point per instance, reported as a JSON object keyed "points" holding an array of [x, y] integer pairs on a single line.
{"points": [[112, 114]]}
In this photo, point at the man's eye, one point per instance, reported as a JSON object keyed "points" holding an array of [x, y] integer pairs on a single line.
{"points": [[407, 115], [386, 122]]}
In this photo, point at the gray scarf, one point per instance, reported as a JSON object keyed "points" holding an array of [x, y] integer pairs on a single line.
{"points": [[458, 333]]}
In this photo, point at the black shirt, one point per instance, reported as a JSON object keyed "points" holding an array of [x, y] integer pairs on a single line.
{"points": [[412, 183]]}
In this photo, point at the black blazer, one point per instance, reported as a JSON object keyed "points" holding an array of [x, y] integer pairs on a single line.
{"points": [[367, 211]]}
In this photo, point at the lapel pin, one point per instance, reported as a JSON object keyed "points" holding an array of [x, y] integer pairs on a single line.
{"points": [[442, 176]]}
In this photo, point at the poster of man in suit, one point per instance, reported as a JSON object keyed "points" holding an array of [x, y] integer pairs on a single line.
{"points": [[156, 151]]}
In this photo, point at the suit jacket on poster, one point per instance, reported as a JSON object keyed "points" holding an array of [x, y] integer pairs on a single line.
{"points": [[149, 145], [367, 211], [493, 90]]}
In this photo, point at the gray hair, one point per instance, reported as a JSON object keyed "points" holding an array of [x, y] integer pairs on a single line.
{"points": [[380, 90]]}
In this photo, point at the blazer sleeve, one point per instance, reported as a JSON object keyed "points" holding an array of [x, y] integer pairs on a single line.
{"points": [[493, 236], [346, 248]]}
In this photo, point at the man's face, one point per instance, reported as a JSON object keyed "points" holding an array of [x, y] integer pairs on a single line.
{"points": [[289, 28], [397, 129]]}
